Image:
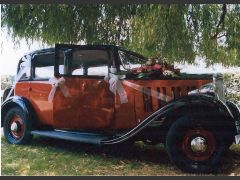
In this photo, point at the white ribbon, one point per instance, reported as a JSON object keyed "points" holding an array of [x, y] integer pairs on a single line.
{"points": [[57, 83], [115, 85], [24, 67]]}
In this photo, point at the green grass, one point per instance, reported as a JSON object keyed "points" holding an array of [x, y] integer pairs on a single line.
{"points": [[45, 156]]}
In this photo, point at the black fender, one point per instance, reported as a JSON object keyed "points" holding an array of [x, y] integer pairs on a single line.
{"points": [[198, 103], [161, 118], [236, 113], [6, 92], [207, 105], [17, 101]]}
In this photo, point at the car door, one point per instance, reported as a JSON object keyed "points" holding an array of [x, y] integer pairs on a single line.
{"points": [[90, 104], [42, 70]]}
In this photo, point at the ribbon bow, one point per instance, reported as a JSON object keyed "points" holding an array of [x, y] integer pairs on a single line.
{"points": [[24, 68], [57, 83], [117, 87]]}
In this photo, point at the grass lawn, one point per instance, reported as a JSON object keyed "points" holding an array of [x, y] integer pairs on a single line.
{"points": [[45, 156]]}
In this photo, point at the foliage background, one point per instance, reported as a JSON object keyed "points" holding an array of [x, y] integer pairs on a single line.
{"points": [[232, 85], [176, 32]]}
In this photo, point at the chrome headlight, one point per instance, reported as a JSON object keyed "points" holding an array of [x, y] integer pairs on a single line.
{"points": [[205, 89]]}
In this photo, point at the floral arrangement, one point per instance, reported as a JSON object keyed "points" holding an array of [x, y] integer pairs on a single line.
{"points": [[155, 68]]}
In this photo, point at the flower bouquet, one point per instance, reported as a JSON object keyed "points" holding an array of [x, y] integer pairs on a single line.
{"points": [[155, 69]]}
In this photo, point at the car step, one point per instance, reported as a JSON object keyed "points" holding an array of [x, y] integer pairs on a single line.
{"points": [[90, 138]]}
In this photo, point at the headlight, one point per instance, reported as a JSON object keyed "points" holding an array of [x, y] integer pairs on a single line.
{"points": [[205, 89]]}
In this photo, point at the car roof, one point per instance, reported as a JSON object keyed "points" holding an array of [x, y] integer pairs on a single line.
{"points": [[52, 49]]}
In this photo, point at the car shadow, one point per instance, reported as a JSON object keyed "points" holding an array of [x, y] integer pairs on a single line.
{"points": [[139, 152], [231, 163]]}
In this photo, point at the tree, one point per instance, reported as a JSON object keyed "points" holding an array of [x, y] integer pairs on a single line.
{"points": [[178, 33]]}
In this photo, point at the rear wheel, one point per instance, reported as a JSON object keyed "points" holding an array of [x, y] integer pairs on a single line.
{"points": [[17, 127], [195, 145]]}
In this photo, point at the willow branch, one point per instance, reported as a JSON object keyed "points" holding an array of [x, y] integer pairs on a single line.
{"points": [[221, 21]]}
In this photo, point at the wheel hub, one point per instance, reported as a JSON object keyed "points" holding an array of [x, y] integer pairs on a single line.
{"points": [[14, 127], [199, 145]]}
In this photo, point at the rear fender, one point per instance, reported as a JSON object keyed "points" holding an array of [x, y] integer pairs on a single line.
{"points": [[17, 101]]}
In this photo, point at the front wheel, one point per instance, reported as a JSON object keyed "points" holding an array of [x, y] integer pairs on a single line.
{"points": [[195, 145], [17, 127]]}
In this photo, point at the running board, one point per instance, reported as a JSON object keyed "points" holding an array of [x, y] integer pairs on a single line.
{"points": [[90, 138]]}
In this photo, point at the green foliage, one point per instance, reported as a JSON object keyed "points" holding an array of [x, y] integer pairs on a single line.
{"points": [[232, 84], [162, 31], [175, 32]]}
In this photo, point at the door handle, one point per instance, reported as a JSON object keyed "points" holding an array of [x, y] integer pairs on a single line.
{"points": [[83, 86]]}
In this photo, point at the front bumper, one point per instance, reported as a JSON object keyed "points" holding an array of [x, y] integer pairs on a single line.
{"points": [[237, 139]]}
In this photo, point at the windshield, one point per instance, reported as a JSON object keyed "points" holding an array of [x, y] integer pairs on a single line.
{"points": [[130, 61]]}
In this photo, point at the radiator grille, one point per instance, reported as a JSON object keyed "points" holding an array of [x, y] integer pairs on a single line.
{"points": [[161, 92]]}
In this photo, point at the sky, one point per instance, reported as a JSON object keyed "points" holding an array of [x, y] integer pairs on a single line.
{"points": [[11, 54]]}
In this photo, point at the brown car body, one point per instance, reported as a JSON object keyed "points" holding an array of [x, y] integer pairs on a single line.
{"points": [[93, 106]]}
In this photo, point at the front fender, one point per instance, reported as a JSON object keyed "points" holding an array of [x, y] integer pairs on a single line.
{"points": [[161, 116], [197, 102], [236, 113], [212, 109], [16, 101]]}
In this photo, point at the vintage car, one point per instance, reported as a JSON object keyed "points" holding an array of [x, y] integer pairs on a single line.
{"points": [[105, 95]]}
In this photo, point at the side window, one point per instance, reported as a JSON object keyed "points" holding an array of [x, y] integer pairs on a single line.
{"points": [[44, 72], [92, 71], [85, 62], [98, 71], [43, 66]]}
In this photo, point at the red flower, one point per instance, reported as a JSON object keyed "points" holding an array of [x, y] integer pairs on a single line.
{"points": [[157, 66]]}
